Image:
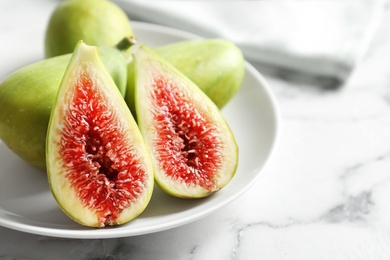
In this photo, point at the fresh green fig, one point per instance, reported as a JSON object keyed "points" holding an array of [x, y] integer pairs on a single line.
{"points": [[96, 22], [98, 166], [193, 150], [27, 97], [216, 66]]}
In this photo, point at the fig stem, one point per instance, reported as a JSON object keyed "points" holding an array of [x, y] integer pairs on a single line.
{"points": [[126, 46], [126, 43]]}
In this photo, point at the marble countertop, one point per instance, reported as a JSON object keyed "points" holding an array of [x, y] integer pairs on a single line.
{"points": [[324, 195]]}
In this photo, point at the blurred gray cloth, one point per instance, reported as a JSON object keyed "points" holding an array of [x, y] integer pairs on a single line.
{"points": [[319, 38]]}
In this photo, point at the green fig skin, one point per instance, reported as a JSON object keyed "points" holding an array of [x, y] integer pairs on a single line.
{"points": [[216, 66], [96, 22], [27, 97]]}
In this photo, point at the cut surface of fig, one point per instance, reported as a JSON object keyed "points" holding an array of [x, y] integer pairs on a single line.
{"points": [[98, 166], [193, 149]]}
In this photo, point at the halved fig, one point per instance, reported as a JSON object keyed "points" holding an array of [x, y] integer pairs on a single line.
{"points": [[98, 166], [193, 150]]}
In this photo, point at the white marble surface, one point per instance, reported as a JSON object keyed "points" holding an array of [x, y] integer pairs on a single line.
{"points": [[324, 195]]}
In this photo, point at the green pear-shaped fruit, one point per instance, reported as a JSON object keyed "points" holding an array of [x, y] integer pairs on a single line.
{"points": [[96, 22], [27, 97], [216, 66], [193, 150], [98, 166]]}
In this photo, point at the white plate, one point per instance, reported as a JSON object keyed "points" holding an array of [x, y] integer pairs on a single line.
{"points": [[26, 203]]}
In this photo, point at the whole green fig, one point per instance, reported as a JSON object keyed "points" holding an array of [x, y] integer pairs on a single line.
{"points": [[27, 97], [96, 22], [216, 66]]}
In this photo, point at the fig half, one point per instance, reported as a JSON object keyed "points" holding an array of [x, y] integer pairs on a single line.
{"points": [[193, 150], [98, 166]]}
